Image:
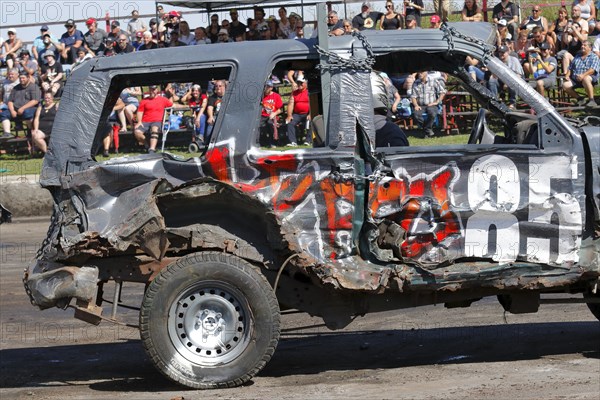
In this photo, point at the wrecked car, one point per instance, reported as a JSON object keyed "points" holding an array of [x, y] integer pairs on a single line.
{"points": [[225, 241]]}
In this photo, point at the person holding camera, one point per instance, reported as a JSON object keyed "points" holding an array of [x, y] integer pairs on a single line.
{"points": [[543, 65], [572, 41]]}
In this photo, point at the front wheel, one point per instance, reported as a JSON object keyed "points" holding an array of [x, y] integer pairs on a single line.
{"points": [[210, 320], [594, 307]]}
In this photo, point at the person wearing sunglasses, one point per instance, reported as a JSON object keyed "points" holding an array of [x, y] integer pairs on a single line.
{"points": [[535, 19], [391, 20]]}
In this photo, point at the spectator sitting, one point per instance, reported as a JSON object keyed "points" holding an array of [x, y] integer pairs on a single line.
{"points": [[116, 32], [123, 45], [185, 35], [138, 42], [538, 37], [583, 24], [21, 105], [43, 121], [214, 106], [298, 112], [82, 55], [507, 10], [572, 43], [271, 108], [494, 84], [236, 27], [49, 47], [535, 19], [273, 25], [147, 42], [521, 46], [414, 8], [265, 33], [223, 36], [583, 72], [149, 118], [588, 13], [411, 22], [135, 24], [502, 28], [335, 27], [26, 64], [285, 26], [176, 91], [200, 36], [367, 19], [111, 45], [544, 68], [70, 41], [253, 33], [52, 75], [10, 49], [198, 102], [391, 20], [214, 28], [596, 46], [156, 36], [435, 22], [12, 80], [471, 11], [426, 95], [125, 114], [387, 134], [558, 28], [94, 38], [39, 44]]}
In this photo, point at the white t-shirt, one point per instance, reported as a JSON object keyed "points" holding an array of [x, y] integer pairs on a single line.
{"points": [[596, 46]]}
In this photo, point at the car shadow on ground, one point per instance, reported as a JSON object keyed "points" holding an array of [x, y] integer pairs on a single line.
{"points": [[125, 367]]}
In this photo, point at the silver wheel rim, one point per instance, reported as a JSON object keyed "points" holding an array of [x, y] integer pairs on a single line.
{"points": [[209, 323]]}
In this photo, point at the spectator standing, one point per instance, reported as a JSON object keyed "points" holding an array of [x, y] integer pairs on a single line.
{"points": [[52, 75], [543, 65], [415, 8], [70, 41], [507, 10], [236, 27], [252, 33], [367, 19], [334, 25], [213, 29], [583, 73], [214, 106], [135, 24], [271, 108], [200, 36], [147, 42], [38, 43], [156, 36], [259, 17], [298, 112], [150, 115], [94, 38], [21, 105], [391, 19], [123, 45], [442, 8], [425, 97], [11, 48], [284, 23], [43, 121], [471, 11]]}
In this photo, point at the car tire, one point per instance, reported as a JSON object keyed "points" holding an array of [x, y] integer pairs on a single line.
{"points": [[210, 320], [594, 307], [193, 147]]}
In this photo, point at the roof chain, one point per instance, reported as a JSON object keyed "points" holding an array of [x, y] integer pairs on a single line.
{"points": [[335, 62], [449, 32]]}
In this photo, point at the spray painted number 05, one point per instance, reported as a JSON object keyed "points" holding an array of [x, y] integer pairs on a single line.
{"points": [[553, 227]]}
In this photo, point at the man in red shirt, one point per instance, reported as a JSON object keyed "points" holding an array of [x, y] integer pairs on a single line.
{"points": [[149, 118], [298, 112], [271, 108]]}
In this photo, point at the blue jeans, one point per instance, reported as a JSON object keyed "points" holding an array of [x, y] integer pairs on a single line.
{"points": [[28, 114], [494, 85], [200, 130]]}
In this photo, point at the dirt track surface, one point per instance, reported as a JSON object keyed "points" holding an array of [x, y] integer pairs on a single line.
{"points": [[425, 353]]}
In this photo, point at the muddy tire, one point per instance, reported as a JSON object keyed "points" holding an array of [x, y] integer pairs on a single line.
{"points": [[594, 307], [210, 320]]}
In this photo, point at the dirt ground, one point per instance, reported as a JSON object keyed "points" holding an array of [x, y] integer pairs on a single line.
{"points": [[423, 353]]}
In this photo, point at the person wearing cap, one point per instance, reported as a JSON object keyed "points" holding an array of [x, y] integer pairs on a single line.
{"points": [[52, 74], [471, 11], [223, 36], [123, 45], [507, 10], [69, 42], [38, 43], [391, 20], [265, 33], [426, 96], [435, 22], [583, 73], [367, 19], [502, 31], [49, 47], [10, 48], [543, 65], [116, 31], [135, 24], [414, 7], [495, 85], [411, 22], [298, 112], [21, 105], [236, 27], [27, 64], [94, 38], [149, 118], [335, 27], [271, 108]]}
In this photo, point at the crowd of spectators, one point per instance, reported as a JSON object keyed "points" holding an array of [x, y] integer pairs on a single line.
{"points": [[540, 47]]}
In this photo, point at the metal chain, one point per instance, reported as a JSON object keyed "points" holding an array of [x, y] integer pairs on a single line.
{"points": [[451, 32], [335, 62]]}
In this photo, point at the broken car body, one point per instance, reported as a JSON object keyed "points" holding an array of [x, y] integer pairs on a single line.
{"points": [[338, 230]]}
